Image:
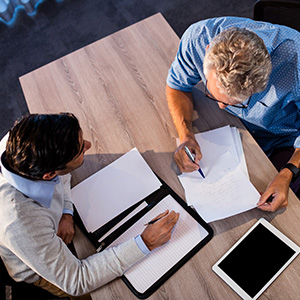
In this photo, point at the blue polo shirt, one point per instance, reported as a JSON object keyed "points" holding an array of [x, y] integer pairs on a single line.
{"points": [[273, 116]]}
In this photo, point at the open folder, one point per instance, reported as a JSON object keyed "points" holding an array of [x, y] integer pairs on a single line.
{"points": [[114, 204]]}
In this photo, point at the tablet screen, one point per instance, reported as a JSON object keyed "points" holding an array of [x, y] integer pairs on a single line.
{"points": [[256, 259]]}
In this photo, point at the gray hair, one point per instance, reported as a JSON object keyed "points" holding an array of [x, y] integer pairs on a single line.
{"points": [[241, 62]]}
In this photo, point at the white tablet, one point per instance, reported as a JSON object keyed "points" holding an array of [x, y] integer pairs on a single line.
{"points": [[256, 260]]}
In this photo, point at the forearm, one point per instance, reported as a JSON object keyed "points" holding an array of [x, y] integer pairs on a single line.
{"points": [[181, 109], [101, 268]]}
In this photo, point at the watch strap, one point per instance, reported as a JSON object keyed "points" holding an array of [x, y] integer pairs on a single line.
{"points": [[293, 169]]}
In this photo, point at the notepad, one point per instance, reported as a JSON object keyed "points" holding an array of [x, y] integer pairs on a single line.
{"points": [[113, 205], [186, 235]]}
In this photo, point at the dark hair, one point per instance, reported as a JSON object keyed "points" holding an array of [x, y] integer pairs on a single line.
{"points": [[41, 143]]}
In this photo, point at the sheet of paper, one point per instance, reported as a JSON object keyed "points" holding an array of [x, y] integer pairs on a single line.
{"points": [[239, 148], [224, 192], [134, 212], [110, 191], [186, 235], [216, 142]]}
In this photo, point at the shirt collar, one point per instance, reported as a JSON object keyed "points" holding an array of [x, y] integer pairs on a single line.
{"points": [[39, 190]]}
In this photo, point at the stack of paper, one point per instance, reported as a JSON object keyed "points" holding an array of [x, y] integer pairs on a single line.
{"points": [[226, 189]]}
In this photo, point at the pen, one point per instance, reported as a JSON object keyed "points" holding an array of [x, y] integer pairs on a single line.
{"points": [[152, 222], [190, 156]]}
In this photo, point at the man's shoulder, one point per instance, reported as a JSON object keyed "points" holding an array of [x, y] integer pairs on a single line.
{"points": [[13, 200], [213, 26], [206, 30], [221, 22], [6, 189]]}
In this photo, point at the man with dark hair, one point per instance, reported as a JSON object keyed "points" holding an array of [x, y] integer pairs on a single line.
{"points": [[53, 139], [36, 211]]}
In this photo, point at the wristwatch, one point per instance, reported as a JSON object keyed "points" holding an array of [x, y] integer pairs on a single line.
{"points": [[293, 169]]}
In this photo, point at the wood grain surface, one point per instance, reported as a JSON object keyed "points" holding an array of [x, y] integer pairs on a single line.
{"points": [[116, 87]]}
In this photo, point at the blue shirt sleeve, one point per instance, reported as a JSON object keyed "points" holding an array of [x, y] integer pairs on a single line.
{"points": [[185, 71], [68, 212], [139, 241]]}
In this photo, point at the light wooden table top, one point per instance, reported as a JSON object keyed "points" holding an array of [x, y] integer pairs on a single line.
{"points": [[116, 87]]}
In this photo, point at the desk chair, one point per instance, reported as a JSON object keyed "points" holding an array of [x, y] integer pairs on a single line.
{"points": [[282, 12]]}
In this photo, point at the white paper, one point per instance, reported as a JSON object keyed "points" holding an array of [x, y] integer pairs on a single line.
{"points": [[216, 142], [129, 216], [224, 192], [185, 236], [239, 148], [113, 189]]}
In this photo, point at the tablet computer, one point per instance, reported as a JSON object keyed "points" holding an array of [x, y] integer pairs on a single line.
{"points": [[256, 260]]}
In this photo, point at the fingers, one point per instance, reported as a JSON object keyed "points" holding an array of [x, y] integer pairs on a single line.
{"points": [[66, 229], [160, 215], [158, 233], [276, 194], [263, 199], [166, 219], [182, 160], [168, 222], [171, 219], [272, 203], [67, 236]]}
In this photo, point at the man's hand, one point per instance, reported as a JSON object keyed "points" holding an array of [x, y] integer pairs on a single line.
{"points": [[278, 190], [182, 160], [157, 234], [66, 228]]}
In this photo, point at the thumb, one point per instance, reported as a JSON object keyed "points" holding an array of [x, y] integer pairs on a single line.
{"points": [[264, 198]]}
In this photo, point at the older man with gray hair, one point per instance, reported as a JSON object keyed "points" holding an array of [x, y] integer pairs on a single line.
{"points": [[251, 69]]}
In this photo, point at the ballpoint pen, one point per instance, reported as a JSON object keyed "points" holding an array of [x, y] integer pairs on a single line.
{"points": [[190, 156], [152, 222]]}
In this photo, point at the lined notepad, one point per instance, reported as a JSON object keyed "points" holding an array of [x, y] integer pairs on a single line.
{"points": [[186, 235]]}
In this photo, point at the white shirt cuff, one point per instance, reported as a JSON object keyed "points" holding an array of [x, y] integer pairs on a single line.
{"points": [[139, 241]]}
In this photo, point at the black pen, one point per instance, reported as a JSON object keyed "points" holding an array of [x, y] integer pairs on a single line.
{"points": [[190, 156], [152, 222]]}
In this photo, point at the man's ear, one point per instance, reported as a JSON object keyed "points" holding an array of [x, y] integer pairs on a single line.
{"points": [[207, 47], [49, 175]]}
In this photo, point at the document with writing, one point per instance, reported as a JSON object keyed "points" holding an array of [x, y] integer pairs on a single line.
{"points": [[186, 235], [224, 192], [226, 189]]}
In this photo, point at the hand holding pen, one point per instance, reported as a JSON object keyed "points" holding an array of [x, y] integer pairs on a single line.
{"points": [[191, 157], [181, 158], [161, 229]]}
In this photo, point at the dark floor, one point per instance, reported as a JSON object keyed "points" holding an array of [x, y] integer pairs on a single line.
{"points": [[60, 27]]}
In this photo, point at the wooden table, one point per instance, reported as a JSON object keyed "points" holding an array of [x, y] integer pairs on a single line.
{"points": [[116, 87]]}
